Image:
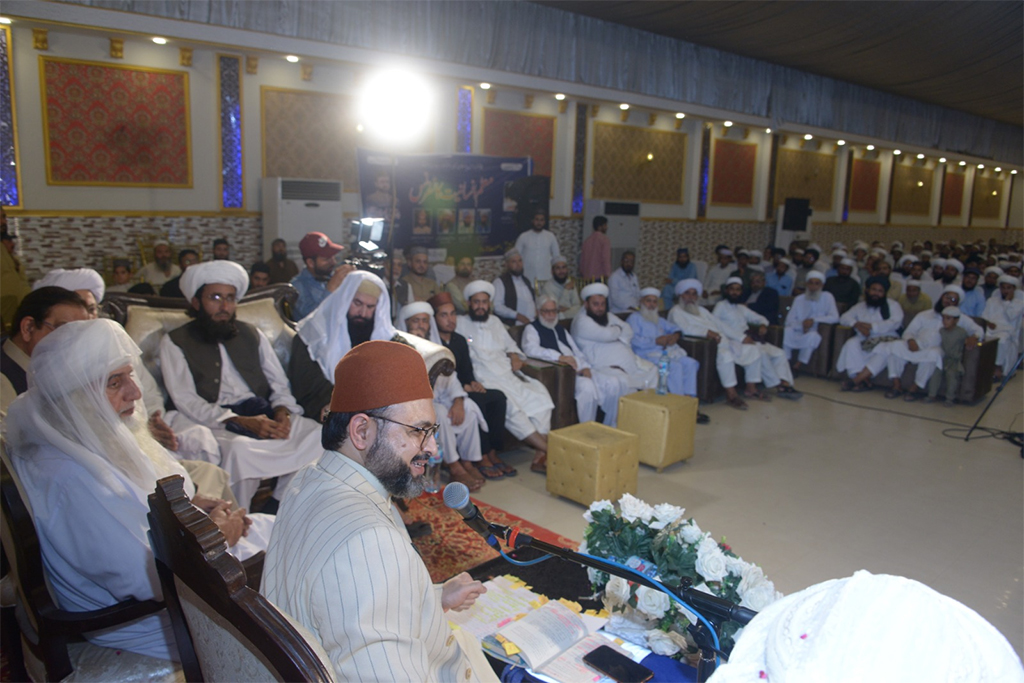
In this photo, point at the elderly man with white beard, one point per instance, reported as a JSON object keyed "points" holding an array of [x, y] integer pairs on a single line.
{"points": [[498, 363], [875, 321], [734, 320], [810, 309], [86, 462], [653, 337], [460, 419], [546, 339], [1004, 311]]}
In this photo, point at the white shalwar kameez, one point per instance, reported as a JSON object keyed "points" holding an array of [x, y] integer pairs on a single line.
{"points": [[1007, 317], [537, 247], [730, 352], [195, 442], [600, 389], [714, 281], [853, 358], [607, 349], [924, 329], [823, 310], [529, 404], [734, 320]]}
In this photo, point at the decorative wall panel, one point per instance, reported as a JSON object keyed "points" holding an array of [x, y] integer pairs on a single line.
{"points": [[911, 189], [659, 239], [115, 125], [232, 177], [864, 185], [512, 134], [953, 193], [10, 168], [988, 197], [807, 175], [464, 121], [733, 166], [621, 168]]}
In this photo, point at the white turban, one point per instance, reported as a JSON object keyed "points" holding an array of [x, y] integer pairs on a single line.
{"points": [[558, 258], [214, 273], [650, 291], [927, 253], [734, 281], [415, 308], [913, 283], [789, 264], [725, 252], [938, 262], [823, 632], [955, 289], [956, 264], [798, 250], [897, 245], [816, 275], [815, 246], [1008, 280], [994, 269], [951, 311], [840, 253], [594, 288], [838, 245], [848, 262], [909, 258], [74, 279], [477, 286], [685, 285]]}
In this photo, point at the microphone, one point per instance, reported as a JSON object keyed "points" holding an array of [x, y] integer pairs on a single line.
{"points": [[716, 606], [456, 496]]}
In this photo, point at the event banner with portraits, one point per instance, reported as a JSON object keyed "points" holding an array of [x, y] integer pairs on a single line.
{"points": [[463, 203]]}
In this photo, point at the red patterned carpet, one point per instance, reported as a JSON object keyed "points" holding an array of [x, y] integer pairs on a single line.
{"points": [[453, 547]]}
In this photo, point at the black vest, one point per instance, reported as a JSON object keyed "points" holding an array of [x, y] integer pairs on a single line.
{"points": [[511, 298], [14, 372], [548, 336], [204, 359]]}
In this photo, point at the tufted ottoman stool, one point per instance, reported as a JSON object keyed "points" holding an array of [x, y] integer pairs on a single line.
{"points": [[664, 424], [588, 462]]}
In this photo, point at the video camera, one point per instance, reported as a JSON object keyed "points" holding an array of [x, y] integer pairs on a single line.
{"points": [[365, 252]]}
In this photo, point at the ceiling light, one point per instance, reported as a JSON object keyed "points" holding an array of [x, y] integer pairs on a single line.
{"points": [[981, 166], [623, 106], [680, 115], [920, 156], [942, 160], [160, 41], [727, 124], [994, 193], [920, 183], [897, 152], [808, 136], [359, 128], [485, 86], [840, 143], [650, 157], [962, 163], [768, 131], [870, 148], [1013, 172], [5, 20], [998, 169], [559, 97], [292, 58]]}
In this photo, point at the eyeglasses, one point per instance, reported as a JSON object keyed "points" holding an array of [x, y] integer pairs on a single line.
{"points": [[427, 432]]}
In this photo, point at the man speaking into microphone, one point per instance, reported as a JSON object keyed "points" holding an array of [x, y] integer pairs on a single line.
{"points": [[343, 564]]}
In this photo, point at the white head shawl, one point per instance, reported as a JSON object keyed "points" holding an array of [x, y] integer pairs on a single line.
{"points": [[74, 279], [325, 330], [683, 285], [214, 273], [823, 632], [66, 408], [416, 308], [477, 286], [815, 275], [594, 289], [650, 291]]}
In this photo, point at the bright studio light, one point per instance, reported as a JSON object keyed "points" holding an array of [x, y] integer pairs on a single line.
{"points": [[1013, 172], [999, 169], [485, 86], [396, 105], [767, 131], [981, 166]]}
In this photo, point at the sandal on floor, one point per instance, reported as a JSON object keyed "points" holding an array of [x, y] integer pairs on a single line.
{"points": [[911, 396], [858, 388], [505, 468], [471, 482], [788, 393], [540, 466], [847, 385], [759, 395], [893, 393], [490, 472], [737, 403]]}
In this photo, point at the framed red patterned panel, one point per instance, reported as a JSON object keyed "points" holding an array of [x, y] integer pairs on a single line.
{"points": [[514, 134], [864, 185], [106, 124], [953, 194], [732, 173]]}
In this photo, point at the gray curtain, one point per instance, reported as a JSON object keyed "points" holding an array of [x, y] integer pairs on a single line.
{"points": [[526, 38]]}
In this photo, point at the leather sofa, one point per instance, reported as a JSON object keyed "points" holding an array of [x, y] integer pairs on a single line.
{"points": [[558, 379]]}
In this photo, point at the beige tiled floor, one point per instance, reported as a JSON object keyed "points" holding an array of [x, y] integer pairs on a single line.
{"points": [[815, 490]]}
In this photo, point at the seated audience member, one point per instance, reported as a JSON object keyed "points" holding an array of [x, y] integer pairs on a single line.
{"points": [[538, 247], [682, 269], [763, 300], [122, 276], [13, 283], [455, 286], [714, 279], [160, 269], [822, 632], [913, 300], [991, 282], [356, 312], [920, 343], [80, 448], [221, 250], [341, 563], [974, 297], [42, 311], [734, 321], [416, 284], [952, 272], [259, 275], [492, 403], [875, 321], [85, 282], [780, 279], [460, 420], [755, 260], [812, 308], [624, 286], [884, 269], [842, 286], [818, 263], [654, 336], [513, 295], [546, 339], [497, 363], [596, 252], [223, 374], [1003, 312], [322, 274], [837, 257], [172, 288], [282, 268], [562, 289]]}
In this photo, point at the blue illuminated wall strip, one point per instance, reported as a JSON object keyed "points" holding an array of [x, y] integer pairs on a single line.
{"points": [[579, 158], [464, 124], [232, 180], [9, 181]]}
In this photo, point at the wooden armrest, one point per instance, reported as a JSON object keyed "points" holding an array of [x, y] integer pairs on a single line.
{"points": [[94, 620]]}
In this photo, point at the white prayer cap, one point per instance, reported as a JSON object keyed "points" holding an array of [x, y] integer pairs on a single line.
{"points": [[848, 262], [956, 264], [510, 253], [725, 252], [415, 308], [840, 252], [734, 281], [879, 250], [816, 275], [927, 253], [838, 245], [951, 311], [956, 289], [798, 250], [558, 258], [994, 269], [909, 258], [913, 283], [594, 289], [821, 634], [475, 287], [74, 279], [161, 243], [214, 273], [650, 291], [1008, 280], [691, 283], [897, 245], [789, 264], [815, 246], [938, 262]]}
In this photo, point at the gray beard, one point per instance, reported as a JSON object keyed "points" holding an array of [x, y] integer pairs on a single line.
{"points": [[692, 309], [813, 296], [649, 315], [391, 471], [550, 325]]}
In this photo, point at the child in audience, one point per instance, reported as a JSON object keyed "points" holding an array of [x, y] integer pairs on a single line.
{"points": [[122, 275], [953, 339]]}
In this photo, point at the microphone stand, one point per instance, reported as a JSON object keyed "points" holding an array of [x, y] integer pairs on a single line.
{"points": [[716, 610]]}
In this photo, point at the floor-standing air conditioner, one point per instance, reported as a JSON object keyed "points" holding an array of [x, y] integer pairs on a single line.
{"points": [[293, 207]]}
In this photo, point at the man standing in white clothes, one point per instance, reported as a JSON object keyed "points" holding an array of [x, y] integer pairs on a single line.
{"points": [[812, 308], [537, 247], [624, 286], [513, 294], [714, 279]]}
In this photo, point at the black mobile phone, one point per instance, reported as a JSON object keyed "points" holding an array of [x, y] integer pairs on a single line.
{"points": [[617, 666]]}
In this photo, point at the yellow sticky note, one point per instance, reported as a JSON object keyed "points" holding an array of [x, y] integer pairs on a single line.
{"points": [[574, 606]]}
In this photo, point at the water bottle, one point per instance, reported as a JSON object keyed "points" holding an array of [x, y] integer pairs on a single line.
{"points": [[663, 372], [432, 475]]}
